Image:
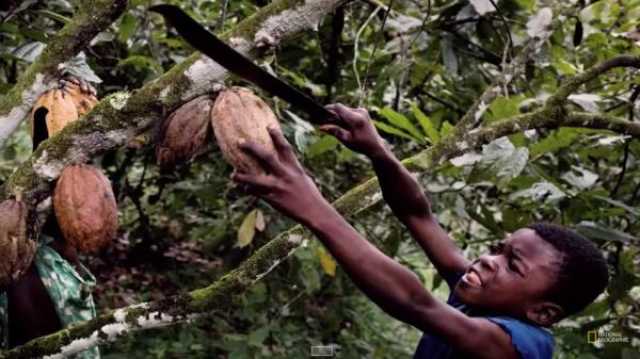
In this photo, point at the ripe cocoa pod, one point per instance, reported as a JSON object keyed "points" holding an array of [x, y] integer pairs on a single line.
{"points": [[62, 110], [65, 105], [16, 250], [184, 133], [85, 207], [83, 101], [239, 115]]}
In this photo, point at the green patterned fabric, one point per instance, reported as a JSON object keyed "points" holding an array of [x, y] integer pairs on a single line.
{"points": [[70, 291]]}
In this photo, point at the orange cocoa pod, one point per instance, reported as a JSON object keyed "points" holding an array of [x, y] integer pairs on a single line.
{"points": [[238, 116], [85, 207], [16, 250], [83, 101], [62, 110], [184, 133]]}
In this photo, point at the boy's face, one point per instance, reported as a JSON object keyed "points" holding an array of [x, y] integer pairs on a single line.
{"points": [[513, 277]]}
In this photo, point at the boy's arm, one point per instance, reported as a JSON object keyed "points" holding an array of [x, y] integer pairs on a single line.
{"points": [[394, 288], [399, 188]]}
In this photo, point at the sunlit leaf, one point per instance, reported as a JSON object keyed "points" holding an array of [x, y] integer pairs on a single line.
{"points": [[247, 229], [426, 124], [327, 262], [401, 121], [391, 130]]}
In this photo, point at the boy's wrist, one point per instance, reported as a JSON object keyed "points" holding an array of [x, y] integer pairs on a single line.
{"points": [[380, 154], [318, 217]]}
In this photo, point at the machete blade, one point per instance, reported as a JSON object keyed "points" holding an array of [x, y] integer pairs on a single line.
{"points": [[207, 43]]}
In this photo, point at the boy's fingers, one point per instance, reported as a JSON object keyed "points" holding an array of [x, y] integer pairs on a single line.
{"points": [[341, 116], [282, 145], [249, 181], [267, 160], [349, 115], [341, 134]]}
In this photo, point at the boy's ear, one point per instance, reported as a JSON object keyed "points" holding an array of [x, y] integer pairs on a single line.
{"points": [[545, 313]]}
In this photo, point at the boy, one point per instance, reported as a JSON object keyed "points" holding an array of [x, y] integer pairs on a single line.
{"points": [[498, 304]]}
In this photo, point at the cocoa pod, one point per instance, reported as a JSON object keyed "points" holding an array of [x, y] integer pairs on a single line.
{"points": [[62, 110], [239, 115], [83, 101], [16, 250], [85, 207], [65, 105], [184, 133]]}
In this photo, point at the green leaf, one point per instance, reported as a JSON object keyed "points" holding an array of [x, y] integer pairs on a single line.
{"points": [[247, 229], [401, 121], [427, 126], [141, 63], [257, 337], [324, 144], [447, 128], [500, 160], [559, 139], [55, 16], [503, 107], [619, 204], [391, 130], [127, 27], [602, 233]]}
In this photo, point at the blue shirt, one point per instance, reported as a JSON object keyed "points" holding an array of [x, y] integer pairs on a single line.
{"points": [[530, 341]]}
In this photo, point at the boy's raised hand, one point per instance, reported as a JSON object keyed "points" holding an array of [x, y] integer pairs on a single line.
{"points": [[354, 129], [285, 185]]}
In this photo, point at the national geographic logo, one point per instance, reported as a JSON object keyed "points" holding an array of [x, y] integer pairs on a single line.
{"points": [[605, 336]]}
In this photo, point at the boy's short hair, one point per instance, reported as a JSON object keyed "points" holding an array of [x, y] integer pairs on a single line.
{"points": [[583, 273]]}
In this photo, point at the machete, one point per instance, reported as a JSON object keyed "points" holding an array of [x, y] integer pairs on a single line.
{"points": [[207, 43]]}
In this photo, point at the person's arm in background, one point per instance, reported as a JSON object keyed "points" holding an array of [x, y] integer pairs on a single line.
{"points": [[287, 187], [400, 189]]}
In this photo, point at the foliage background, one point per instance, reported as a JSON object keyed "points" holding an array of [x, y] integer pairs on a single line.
{"points": [[181, 230]]}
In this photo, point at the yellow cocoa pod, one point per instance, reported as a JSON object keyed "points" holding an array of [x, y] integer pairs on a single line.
{"points": [[239, 115], [83, 101], [85, 207], [184, 133], [16, 250], [62, 110]]}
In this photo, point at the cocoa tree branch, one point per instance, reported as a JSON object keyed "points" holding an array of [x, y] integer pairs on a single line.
{"points": [[92, 18], [573, 84]]}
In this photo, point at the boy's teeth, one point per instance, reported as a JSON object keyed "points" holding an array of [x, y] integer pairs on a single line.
{"points": [[473, 279]]}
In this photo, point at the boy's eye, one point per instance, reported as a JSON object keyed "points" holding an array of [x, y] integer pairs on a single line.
{"points": [[495, 248], [513, 267]]}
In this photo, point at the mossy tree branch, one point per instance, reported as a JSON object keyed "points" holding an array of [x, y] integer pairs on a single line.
{"points": [[92, 18], [574, 83]]}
